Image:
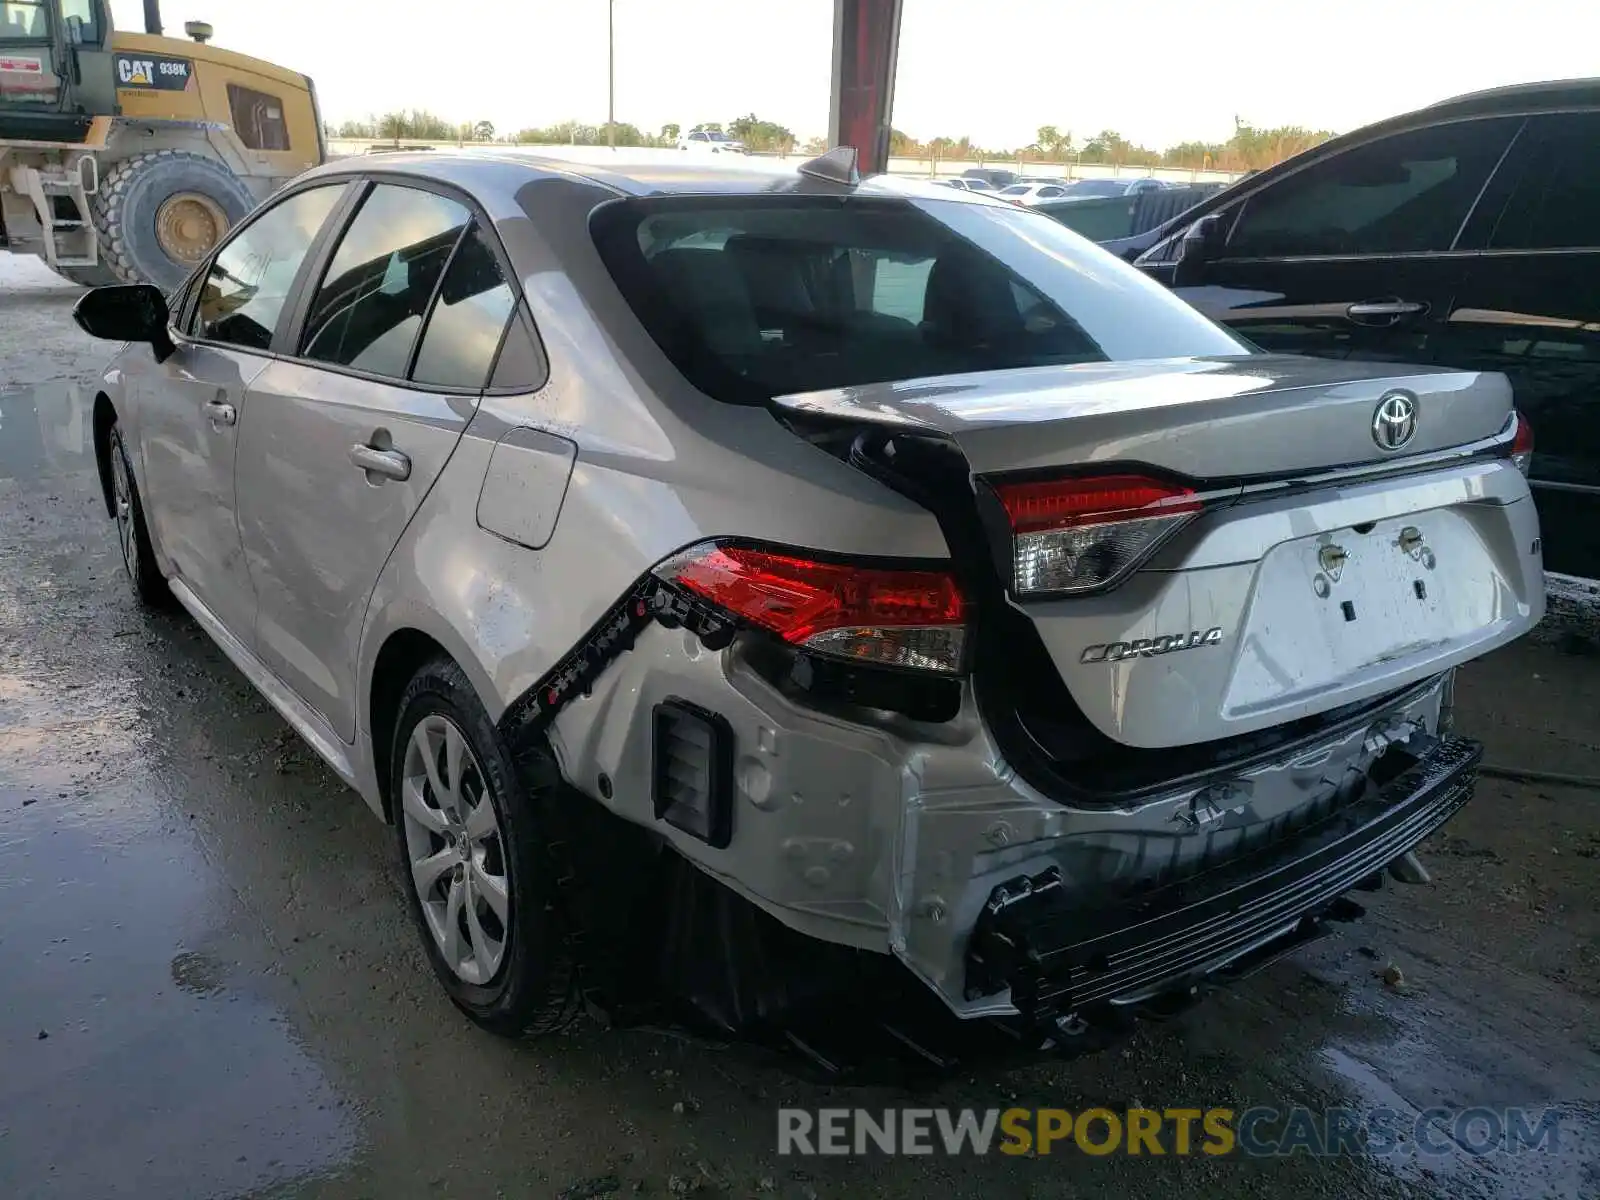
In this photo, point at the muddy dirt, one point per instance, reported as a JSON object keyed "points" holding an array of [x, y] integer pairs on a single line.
{"points": [[210, 987]]}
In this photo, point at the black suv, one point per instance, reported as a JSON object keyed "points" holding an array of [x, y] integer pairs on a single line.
{"points": [[1466, 234]]}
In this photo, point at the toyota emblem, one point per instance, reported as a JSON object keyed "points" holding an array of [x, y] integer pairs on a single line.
{"points": [[1394, 421]]}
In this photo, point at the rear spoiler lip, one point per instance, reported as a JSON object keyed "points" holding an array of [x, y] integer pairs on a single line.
{"points": [[1497, 445], [885, 403]]}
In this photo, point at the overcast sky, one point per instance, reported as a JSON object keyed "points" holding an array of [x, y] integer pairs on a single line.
{"points": [[1158, 72]]}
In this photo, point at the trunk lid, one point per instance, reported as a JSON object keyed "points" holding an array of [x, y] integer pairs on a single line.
{"points": [[1208, 419], [1284, 602]]}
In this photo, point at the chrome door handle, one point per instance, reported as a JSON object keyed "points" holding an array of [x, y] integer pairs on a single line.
{"points": [[221, 412], [391, 464], [1384, 308]]}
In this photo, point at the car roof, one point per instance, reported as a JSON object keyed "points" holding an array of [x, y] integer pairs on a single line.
{"points": [[505, 170], [1516, 96]]}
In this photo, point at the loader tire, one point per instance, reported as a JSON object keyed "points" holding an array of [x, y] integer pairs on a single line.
{"points": [[89, 277], [157, 215]]}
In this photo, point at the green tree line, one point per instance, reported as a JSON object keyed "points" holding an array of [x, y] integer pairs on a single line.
{"points": [[418, 125], [1249, 149]]}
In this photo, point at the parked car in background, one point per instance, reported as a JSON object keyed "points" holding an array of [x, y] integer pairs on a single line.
{"points": [[965, 184], [1466, 234], [995, 177], [763, 583], [1084, 189], [1112, 219], [711, 142], [1032, 193]]}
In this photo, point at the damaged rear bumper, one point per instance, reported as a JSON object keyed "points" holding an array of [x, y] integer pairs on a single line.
{"points": [[1059, 952]]}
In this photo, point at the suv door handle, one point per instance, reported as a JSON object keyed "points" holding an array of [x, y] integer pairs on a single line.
{"points": [[221, 412], [391, 464], [1383, 312]]}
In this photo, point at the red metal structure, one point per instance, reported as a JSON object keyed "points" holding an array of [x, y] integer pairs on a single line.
{"points": [[866, 43]]}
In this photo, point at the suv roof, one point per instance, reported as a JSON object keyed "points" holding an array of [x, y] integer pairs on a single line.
{"points": [[1508, 100], [1513, 96]]}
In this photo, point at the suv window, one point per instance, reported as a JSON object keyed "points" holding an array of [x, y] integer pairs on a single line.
{"points": [[258, 118], [1407, 193], [468, 319], [245, 287], [1556, 204], [372, 300], [754, 298]]}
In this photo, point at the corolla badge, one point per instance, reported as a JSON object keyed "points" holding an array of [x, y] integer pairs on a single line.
{"points": [[1150, 647], [1394, 421]]}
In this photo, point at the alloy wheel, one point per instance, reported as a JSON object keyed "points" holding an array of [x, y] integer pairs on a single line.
{"points": [[456, 850], [122, 498]]}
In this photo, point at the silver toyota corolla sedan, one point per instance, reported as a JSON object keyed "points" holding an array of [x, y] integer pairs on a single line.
{"points": [[735, 583]]}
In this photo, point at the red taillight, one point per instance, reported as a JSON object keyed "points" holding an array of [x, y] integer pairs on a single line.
{"points": [[1522, 444], [1076, 535], [1061, 503], [908, 618]]}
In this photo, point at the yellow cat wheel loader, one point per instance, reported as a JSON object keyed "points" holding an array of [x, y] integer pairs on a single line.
{"points": [[124, 157]]}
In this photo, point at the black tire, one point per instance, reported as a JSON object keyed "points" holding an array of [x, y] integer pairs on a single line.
{"points": [[535, 988], [133, 538], [132, 193], [89, 277]]}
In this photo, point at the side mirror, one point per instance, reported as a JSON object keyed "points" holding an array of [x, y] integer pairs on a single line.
{"points": [[132, 312], [75, 30], [1200, 244]]}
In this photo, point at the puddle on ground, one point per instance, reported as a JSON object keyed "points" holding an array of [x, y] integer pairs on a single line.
{"points": [[167, 1075], [44, 430], [141, 1058], [1438, 1127]]}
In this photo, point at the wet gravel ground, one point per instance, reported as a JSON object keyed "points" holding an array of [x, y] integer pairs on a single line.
{"points": [[208, 985]]}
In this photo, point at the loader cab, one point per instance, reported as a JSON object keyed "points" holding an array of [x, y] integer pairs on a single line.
{"points": [[56, 69]]}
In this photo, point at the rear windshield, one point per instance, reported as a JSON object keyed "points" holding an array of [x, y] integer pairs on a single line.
{"points": [[755, 297]]}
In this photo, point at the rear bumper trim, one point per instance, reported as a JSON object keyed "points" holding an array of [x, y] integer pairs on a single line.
{"points": [[1058, 953]]}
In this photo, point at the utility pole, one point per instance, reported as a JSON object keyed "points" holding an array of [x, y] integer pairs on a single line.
{"points": [[611, 73]]}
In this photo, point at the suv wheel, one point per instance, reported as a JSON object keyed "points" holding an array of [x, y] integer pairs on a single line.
{"points": [[475, 857], [133, 535]]}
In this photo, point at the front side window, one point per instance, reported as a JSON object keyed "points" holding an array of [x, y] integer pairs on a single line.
{"points": [[244, 290], [1405, 194], [372, 300], [87, 16], [468, 319], [1556, 205], [24, 19], [753, 298], [258, 118]]}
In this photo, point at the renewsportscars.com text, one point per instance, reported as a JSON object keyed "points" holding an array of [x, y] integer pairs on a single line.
{"points": [[1253, 1132]]}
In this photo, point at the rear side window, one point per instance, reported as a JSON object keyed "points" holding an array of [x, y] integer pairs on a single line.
{"points": [[758, 297], [1405, 194], [468, 319], [244, 290], [375, 294], [1556, 205], [258, 118]]}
